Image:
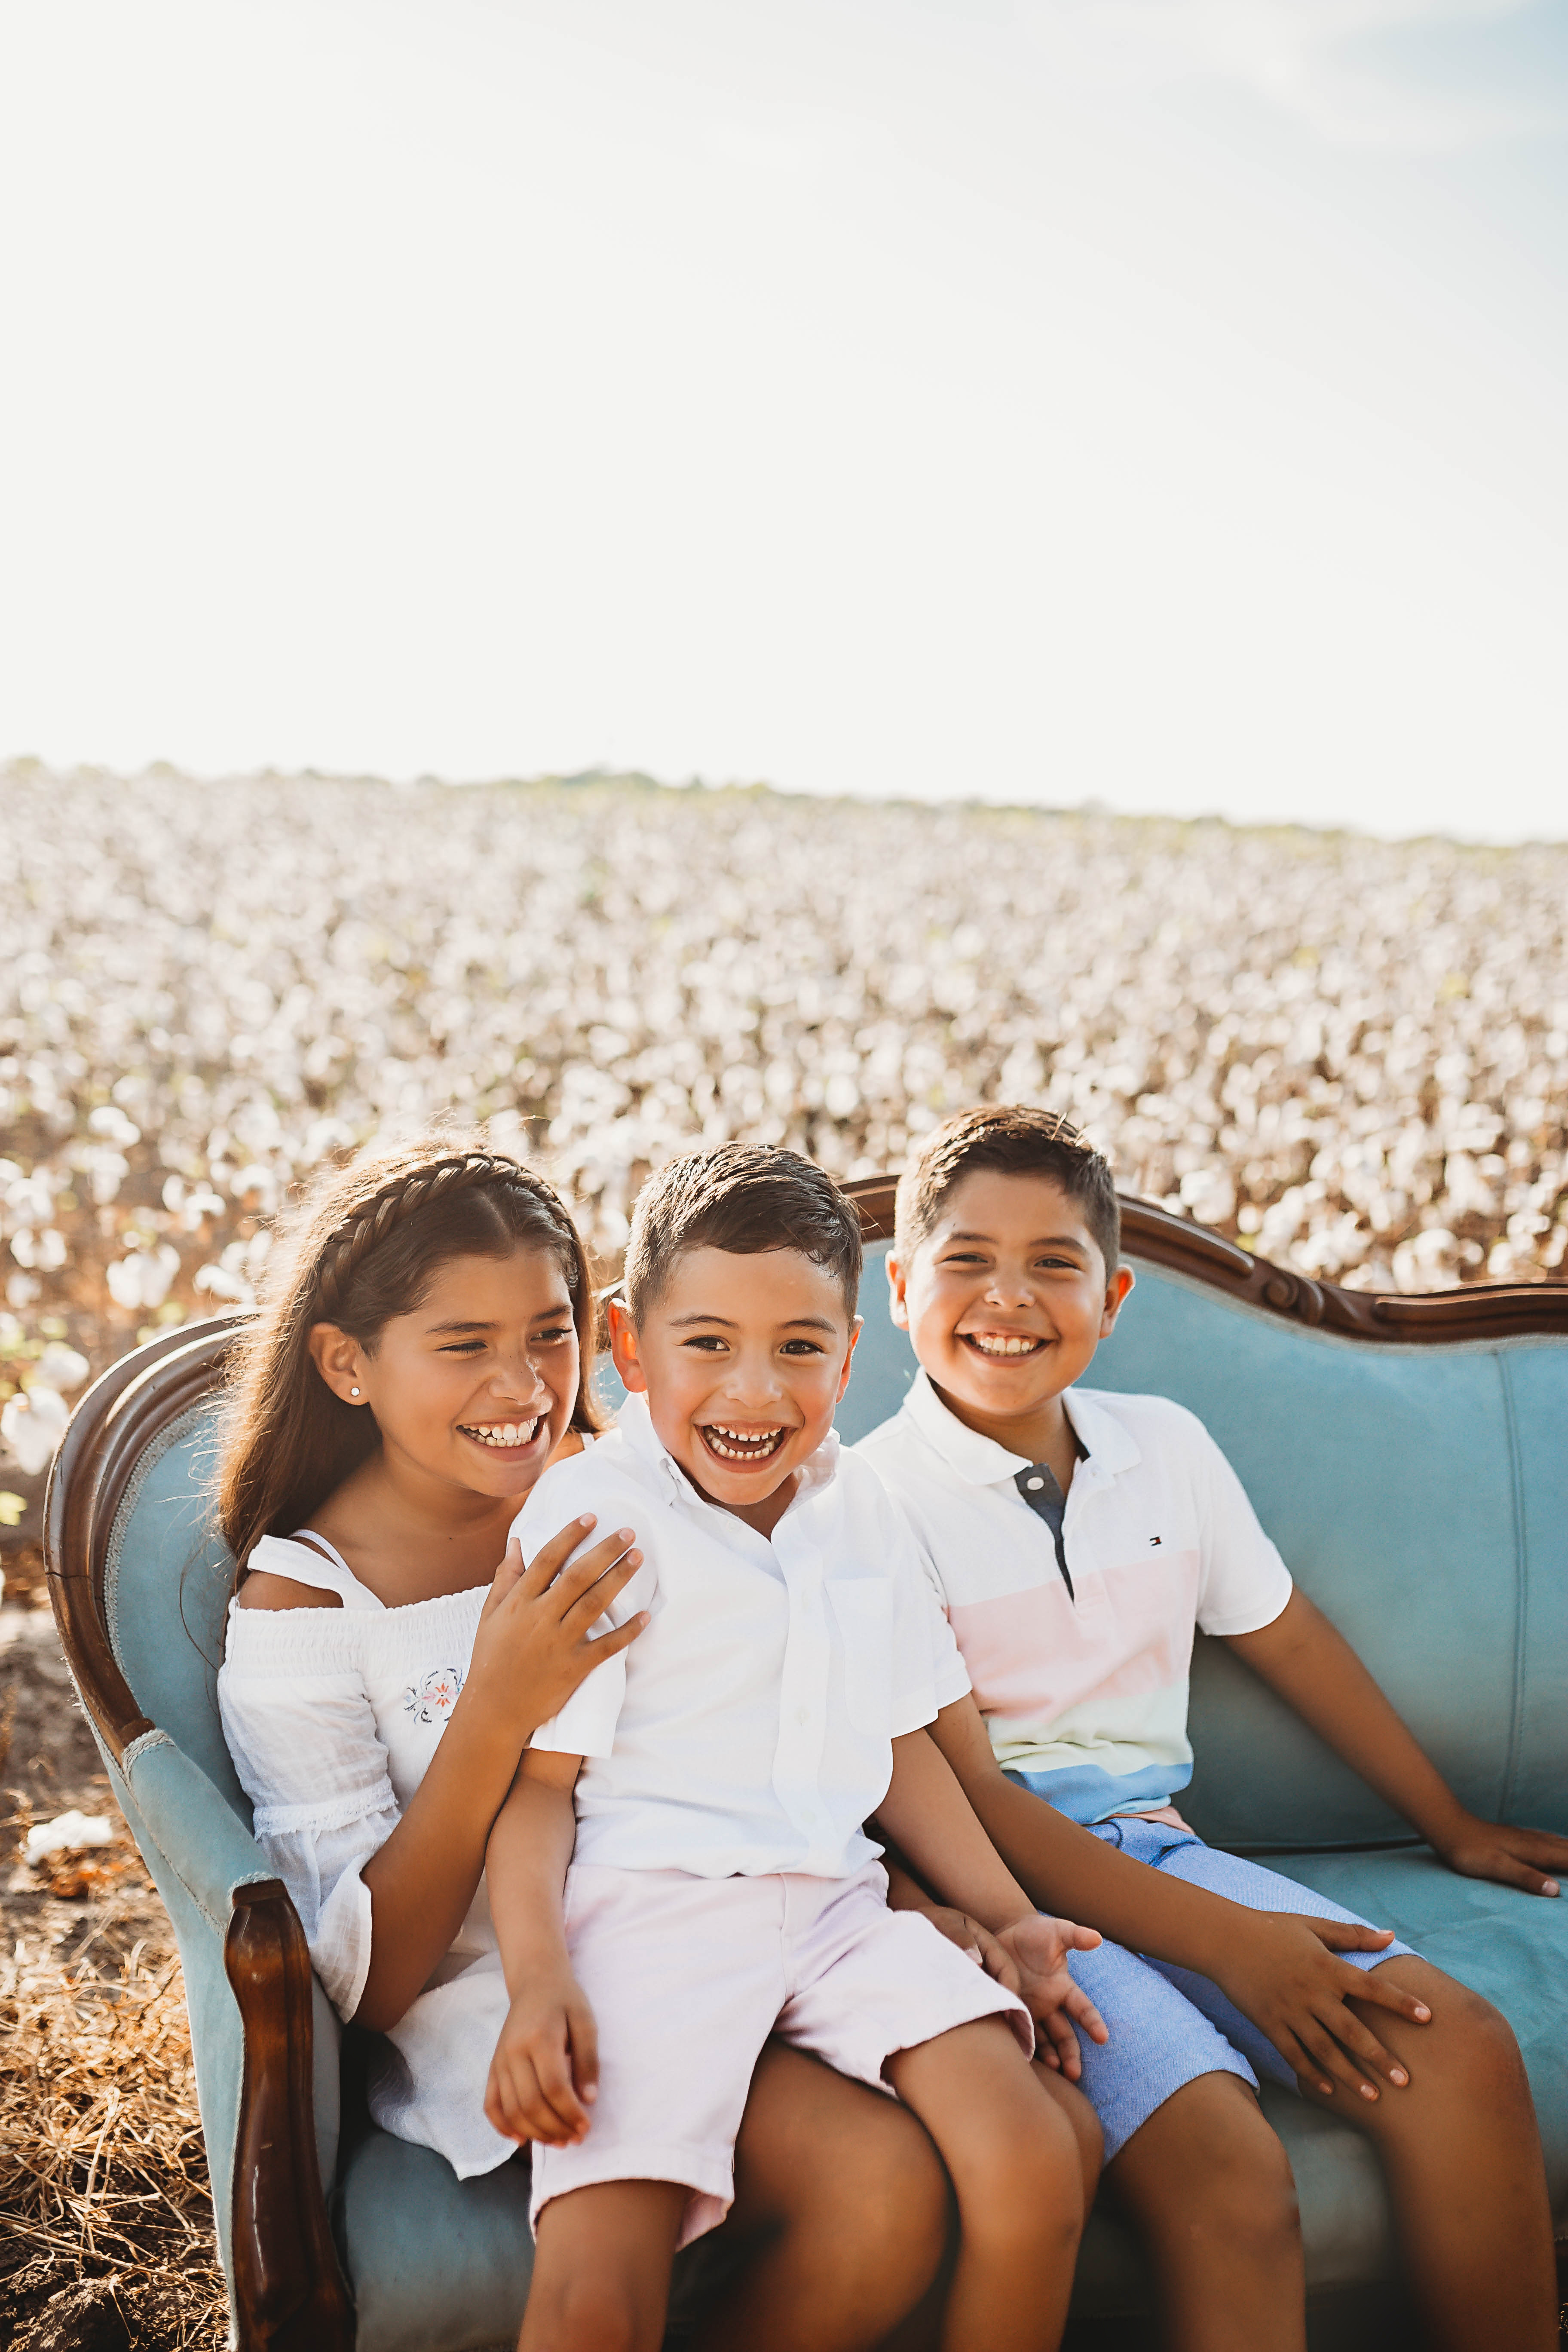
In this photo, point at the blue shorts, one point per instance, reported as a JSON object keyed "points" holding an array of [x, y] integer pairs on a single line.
{"points": [[1167, 2025]]}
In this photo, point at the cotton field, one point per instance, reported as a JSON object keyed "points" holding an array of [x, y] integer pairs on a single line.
{"points": [[1352, 1055]]}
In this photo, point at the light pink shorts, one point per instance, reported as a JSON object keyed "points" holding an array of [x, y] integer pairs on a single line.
{"points": [[688, 1976]]}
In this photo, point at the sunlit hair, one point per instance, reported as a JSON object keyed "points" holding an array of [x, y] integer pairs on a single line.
{"points": [[1015, 1140], [744, 1197], [365, 1246]]}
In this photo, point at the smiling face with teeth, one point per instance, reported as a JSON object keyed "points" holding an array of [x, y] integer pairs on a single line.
{"points": [[472, 1390], [1005, 1301], [742, 1358]]}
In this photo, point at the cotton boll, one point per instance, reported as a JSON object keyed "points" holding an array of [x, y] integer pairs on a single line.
{"points": [[141, 1280], [32, 1425], [62, 1368]]}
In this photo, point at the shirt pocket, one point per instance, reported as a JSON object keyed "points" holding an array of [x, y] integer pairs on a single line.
{"points": [[863, 1609]]}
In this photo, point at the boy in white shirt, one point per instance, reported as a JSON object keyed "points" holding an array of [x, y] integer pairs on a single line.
{"points": [[714, 1780], [1076, 1538]]}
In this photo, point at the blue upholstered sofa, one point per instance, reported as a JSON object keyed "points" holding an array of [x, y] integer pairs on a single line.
{"points": [[1410, 1458]]}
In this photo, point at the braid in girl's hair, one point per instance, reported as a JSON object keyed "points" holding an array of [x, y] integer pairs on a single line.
{"points": [[367, 1226], [367, 1242]]}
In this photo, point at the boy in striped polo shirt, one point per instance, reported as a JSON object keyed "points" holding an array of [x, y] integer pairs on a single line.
{"points": [[1076, 1538]]}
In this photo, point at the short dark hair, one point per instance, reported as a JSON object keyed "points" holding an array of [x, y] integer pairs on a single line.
{"points": [[744, 1197], [1015, 1140]]}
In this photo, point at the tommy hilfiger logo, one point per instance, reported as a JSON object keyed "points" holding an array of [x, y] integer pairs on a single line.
{"points": [[1153, 1539]]}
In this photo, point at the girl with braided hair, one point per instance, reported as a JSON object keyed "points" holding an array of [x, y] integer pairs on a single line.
{"points": [[422, 1357]]}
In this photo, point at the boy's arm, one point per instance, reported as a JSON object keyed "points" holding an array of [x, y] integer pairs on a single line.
{"points": [[1280, 1972], [933, 1824], [935, 1829], [544, 2076], [1315, 1670]]}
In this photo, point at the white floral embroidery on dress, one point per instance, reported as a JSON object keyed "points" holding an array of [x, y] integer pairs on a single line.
{"points": [[433, 1700]]}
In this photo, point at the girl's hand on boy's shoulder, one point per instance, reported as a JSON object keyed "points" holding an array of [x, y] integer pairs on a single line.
{"points": [[1532, 1859], [533, 1645], [1037, 1946], [544, 2076]]}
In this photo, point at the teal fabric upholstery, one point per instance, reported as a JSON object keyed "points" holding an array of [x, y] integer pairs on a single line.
{"points": [[1420, 1494], [433, 2260]]}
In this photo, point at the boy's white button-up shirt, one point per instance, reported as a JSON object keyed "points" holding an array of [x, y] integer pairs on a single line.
{"points": [[1084, 1688], [749, 1727]]}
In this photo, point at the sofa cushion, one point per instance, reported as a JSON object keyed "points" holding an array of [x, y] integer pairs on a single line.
{"points": [[167, 1578]]}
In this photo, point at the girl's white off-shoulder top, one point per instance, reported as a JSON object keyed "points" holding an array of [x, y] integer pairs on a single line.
{"points": [[332, 1716]]}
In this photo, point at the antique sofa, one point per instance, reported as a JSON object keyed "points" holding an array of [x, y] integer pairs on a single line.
{"points": [[1407, 1455]]}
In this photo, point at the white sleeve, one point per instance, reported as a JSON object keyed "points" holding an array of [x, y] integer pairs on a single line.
{"points": [[927, 1671], [1243, 1583], [309, 1757], [585, 1726]]}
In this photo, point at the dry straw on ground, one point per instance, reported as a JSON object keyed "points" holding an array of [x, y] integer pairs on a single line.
{"points": [[106, 2241]]}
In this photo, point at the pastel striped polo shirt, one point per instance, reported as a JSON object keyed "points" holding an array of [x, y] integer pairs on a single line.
{"points": [[1079, 1636]]}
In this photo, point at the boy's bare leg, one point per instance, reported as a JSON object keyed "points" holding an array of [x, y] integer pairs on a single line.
{"points": [[845, 2198], [1013, 2161], [1083, 2124], [921, 2331], [1462, 2156], [600, 2268], [1209, 2187]]}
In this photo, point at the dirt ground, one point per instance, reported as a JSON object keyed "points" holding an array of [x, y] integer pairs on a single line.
{"points": [[106, 2240]]}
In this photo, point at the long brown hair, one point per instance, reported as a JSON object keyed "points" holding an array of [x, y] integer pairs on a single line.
{"points": [[364, 1244]]}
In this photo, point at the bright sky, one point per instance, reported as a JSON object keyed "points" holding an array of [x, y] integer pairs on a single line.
{"points": [[1159, 402]]}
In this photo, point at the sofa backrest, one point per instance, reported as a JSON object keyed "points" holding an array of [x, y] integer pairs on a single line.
{"points": [[167, 1578], [1419, 1494]]}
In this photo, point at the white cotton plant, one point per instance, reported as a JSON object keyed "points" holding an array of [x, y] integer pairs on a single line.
{"points": [[141, 1280], [62, 1368], [32, 1424]]}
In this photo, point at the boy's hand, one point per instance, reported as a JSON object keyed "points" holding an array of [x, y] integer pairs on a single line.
{"points": [[1037, 1946], [1279, 1970], [544, 2076], [978, 1942], [1478, 1849]]}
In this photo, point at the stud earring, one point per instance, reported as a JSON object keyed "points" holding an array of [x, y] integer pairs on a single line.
{"points": [[353, 1391]]}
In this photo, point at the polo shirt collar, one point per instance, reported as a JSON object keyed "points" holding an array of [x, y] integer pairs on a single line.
{"points": [[635, 1423], [1109, 1448]]}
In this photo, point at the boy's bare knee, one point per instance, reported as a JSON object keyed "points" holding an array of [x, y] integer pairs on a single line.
{"points": [[585, 2314], [1208, 2165], [1250, 2199], [1027, 2186], [1482, 2051]]}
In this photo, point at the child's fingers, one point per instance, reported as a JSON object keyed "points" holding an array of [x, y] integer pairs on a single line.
{"points": [[1342, 1935], [1361, 2046], [554, 2068], [587, 1588], [1374, 1985], [998, 1961], [1061, 2044], [1297, 2056], [1505, 1869], [550, 1559], [1082, 2010], [607, 1646], [512, 2103], [1327, 2063], [511, 1569], [1079, 1939]]}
